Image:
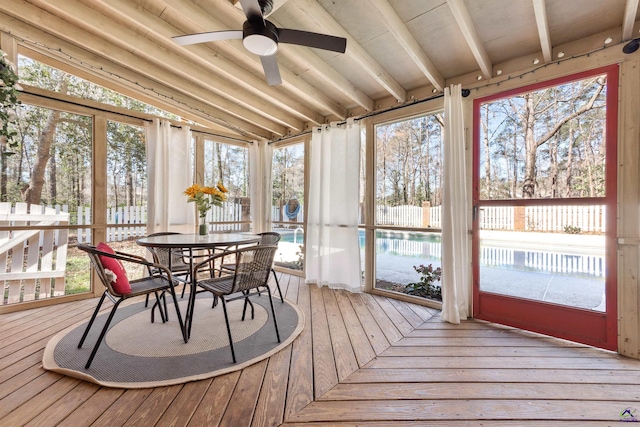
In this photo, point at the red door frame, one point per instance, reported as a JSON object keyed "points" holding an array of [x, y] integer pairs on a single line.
{"points": [[580, 325]]}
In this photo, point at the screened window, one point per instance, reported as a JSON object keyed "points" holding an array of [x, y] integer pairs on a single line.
{"points": [[228, 164]]}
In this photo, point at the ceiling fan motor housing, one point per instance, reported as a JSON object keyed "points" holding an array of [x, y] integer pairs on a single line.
{"points": [[260, 37], [266, 6]]}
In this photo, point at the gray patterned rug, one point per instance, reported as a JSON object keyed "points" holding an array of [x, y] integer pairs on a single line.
{"points": [[138, 354]]}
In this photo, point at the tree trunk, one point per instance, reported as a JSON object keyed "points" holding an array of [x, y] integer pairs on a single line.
{"points": [[219, 161], [33, 193], [514, 182], [53, 182], [553, 154], [130, 191], [529, 183], [531, 145], [569, 170]]}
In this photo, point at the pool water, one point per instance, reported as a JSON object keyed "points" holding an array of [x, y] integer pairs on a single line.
{"points": [[399, 250]]}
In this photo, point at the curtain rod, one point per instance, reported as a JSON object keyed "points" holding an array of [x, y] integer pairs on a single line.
{"points": [[465, 93], [232, 138], [286, 138], [78, 104]]}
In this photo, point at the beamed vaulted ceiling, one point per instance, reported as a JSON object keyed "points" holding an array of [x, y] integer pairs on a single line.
{"points": [[398, 51]]}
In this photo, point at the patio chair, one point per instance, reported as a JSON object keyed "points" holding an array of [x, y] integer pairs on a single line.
{"points": [[267, 238], [108, 265], [250, 274], [180, 267]]}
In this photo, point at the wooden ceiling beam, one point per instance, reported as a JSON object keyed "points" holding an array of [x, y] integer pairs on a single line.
{"points": [[99, 31], [540, 11], [205, 21], [124, 11], [325, 22], [66, 52], [403, 36], [306, 58], [9, 46], [167, 104], [161, 96], [463, 18], [630, 11], [303, 57]]}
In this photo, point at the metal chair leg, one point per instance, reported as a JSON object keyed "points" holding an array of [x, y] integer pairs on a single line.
{"points": [[102, 333], [164, 316], [248, 302], [273, 311], [226, 319], [277, 284], [93, 317], [175, 303]]}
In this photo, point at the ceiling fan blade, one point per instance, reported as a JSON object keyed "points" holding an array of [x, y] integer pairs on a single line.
{"points": [[207, 37], [252, 9], [319, 41], [271, 71]]}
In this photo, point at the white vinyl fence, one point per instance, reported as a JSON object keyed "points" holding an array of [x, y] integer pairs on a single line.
{"points": [[115, 215], [404, 216], [32, 262], [590, 219], [556, 218]]}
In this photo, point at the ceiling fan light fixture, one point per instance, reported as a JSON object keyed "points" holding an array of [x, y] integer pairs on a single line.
{"points": [[260, 39], [260, 45]]}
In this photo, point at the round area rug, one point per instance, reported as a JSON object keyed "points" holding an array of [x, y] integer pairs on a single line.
{"points": [[139, 354]]}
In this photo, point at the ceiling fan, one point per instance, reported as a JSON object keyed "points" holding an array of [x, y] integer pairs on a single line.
{"points": [[261, 37]]}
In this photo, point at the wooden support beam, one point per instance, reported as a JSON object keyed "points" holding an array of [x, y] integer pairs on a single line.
{"points": [[126, 81], [540, 11], [54, 27], [630, 11], [462, 17], [9, 46], [388, 15], [162, 103], [118, 43], [327, 24], [160, 32]]}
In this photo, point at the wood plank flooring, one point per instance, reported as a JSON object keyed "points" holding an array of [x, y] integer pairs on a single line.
{"points": [[360, 360]]}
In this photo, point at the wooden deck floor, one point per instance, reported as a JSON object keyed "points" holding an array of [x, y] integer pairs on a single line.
{"points": [[361, 360]]}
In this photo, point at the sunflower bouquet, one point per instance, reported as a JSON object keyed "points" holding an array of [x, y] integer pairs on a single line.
{"points": [[206, 197]]}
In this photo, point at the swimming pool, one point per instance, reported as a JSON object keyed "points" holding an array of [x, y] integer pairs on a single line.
{"points": [[404, 248]]}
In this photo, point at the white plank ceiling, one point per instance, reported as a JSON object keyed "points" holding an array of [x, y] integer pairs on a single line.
{"points": [[397, 51]]}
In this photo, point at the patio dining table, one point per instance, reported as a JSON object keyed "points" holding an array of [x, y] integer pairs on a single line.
{"points": [[190, 244]]}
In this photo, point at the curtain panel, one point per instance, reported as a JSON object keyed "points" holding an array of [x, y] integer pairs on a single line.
{"points": [[332, 243], [169, 173], [260, 159], [456, 278]]}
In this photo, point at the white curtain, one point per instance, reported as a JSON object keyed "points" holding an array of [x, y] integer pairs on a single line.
{"points": [[260, 158], [332, 244], [456, 283], [169, 172]]}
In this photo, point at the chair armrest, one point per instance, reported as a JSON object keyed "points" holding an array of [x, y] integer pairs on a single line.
{"points": [[136, 259], [208, 262]]}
